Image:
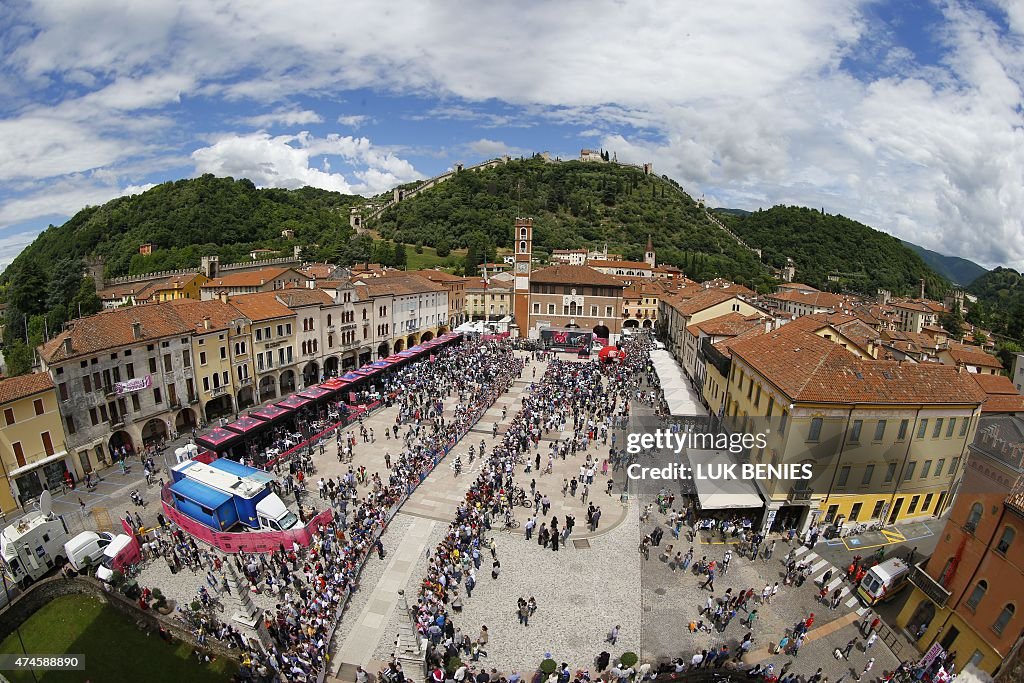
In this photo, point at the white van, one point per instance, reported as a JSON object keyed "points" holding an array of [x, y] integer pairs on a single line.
{"points": [[110, 556], [883, 581], [87, 544]]}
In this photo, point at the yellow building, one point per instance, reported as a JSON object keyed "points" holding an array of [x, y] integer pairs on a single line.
{"points": [[493, 301], [32, 442], [884, 440]]}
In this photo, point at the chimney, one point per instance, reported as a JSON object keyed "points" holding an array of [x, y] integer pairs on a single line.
{"points": [[136, 330], [206, 322], [223, 295], [68, 347]]}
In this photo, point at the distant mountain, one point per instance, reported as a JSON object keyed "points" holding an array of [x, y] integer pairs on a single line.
{"points": [[957, 270], [833, 252]]}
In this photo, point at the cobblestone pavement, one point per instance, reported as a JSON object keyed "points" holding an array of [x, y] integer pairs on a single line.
{"points": [[581, 594]]}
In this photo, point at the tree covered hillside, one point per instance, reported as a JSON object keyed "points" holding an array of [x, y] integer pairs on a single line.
{"points": [[1000, 304], [821, 244], [187, 219], [573, 204]]}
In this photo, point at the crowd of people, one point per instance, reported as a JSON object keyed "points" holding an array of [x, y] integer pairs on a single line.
{"points": [[310, 584], [590, 398]]}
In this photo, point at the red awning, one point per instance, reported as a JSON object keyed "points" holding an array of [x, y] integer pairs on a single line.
{"points": [[293, 401], [216, 439], [270, 412]]}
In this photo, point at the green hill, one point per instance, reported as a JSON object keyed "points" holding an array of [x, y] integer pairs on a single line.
{"points": [[1000, 304], [823, 245], [953, 268], [573, 204]]}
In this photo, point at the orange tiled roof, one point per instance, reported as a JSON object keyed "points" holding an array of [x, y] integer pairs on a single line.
{"points": [[973, 355], [703, 300], [812, 369], [565, 274], [13, 388], [817, 299], [112, 329], [728, 325], [262, 305], [318, 271], [995, 384], [252, 278]]}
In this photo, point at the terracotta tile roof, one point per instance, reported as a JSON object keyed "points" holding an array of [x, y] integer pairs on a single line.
{"points": [[601, 263], [995, 384], [303, 296], [703, 300], [910, 305], [13, 388], [809, 368], [261, 306], [973, 355], [725, 346], [1003, 404], [728, 325], [398, 283], [497, 285], [252, 278], [318, 271], [796, 286], [816, 299], [565, 274], [193, 313], [441, 276], [113, 329]]}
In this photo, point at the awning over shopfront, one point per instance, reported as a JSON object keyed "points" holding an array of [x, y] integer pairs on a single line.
{"points": [[721, 493], [314, 392], [334, 384], [294, 401], [38, 463]]}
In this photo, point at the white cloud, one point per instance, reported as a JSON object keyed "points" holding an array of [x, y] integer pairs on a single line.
{"points": [[488, 149], [741, 100], [284, 161], [355, 121], [283, 117]]}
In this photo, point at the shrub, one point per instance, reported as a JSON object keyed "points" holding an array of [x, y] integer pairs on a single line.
{"points": [[453, 664], [159, 601], [548, 666], [628, 659]]}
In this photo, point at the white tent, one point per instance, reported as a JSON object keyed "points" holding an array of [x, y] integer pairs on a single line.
{"points": [[680, 395], [721, 494]]}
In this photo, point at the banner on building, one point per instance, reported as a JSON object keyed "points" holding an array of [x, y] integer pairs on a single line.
{"points": [[133, 385]]}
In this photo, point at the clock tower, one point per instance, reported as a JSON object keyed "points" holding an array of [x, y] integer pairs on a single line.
{"points": [[522, 242]]}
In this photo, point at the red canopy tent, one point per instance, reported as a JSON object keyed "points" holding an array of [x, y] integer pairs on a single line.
{"points": [[314, 393], [217, 439], [244, 425], [293, 401], [610, 354], [270, 412]]}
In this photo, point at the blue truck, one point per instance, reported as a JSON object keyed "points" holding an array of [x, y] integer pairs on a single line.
{"points": [[225, 494]]}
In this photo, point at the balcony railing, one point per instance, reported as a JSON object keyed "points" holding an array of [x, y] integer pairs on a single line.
{"points": [[929, 586]]}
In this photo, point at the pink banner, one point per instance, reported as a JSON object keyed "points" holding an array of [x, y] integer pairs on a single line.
{"points": [[247, 541]]}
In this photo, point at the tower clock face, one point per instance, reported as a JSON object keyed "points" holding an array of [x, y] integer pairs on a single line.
{"points": [[522, 267]]}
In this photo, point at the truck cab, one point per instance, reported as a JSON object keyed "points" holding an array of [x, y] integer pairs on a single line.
{"points": [[273, 515]]}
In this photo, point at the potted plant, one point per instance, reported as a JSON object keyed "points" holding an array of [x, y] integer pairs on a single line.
{"points": [[452, 665], [548, 666], [160, 603], [116, 579], [628, 659]]}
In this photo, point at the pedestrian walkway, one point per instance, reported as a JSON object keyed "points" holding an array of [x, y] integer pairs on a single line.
{"points": [[372, 622]]}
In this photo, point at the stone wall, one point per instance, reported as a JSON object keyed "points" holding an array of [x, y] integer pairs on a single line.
{"points": [[42, 592]]}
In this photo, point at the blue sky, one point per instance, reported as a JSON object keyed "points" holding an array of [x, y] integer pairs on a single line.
{"points": [[905, 115]]}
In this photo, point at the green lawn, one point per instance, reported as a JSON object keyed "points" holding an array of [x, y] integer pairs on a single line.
{"points": [[114, 649], [429, 257]]}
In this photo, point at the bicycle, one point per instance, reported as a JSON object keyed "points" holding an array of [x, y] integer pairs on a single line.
{"points": [[510, 524]]}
